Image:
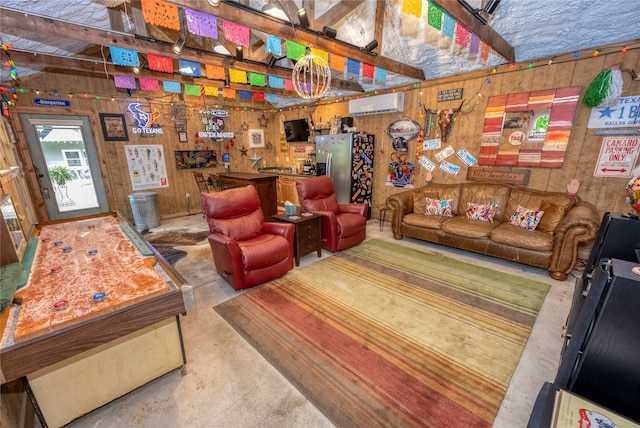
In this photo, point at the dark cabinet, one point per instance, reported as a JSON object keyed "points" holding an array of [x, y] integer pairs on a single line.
{"points": [[265, 185], [601, 356]]}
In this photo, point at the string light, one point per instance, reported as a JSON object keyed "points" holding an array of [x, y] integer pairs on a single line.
{"points": [[624, 49], [596, 52], [576, 54]]}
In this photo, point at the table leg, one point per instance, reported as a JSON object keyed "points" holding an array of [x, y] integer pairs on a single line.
{"points": [[383, 213]]}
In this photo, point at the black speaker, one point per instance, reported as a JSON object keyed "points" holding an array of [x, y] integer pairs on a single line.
{"points": [[618, 238]]}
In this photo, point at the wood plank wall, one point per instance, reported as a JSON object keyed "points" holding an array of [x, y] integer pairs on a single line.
{"points": [[608, 194]]}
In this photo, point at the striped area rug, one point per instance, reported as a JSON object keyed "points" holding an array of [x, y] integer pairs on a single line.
{"points": [[382, 335]]}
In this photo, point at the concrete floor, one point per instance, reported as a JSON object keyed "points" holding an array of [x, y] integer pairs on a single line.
{"points": [[228, 384]]}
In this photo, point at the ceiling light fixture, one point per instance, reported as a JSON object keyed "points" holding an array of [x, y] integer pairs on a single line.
{"points": [[311, 76], [178, 45], [473, 11], [138, 68], [272, 59], [303, 18], [370, 46], [214, 3], [274, 10], [491, 6], [329, 32], [239, 53]]}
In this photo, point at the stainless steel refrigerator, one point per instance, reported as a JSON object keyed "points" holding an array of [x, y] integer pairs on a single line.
{"points": [[348, 160]]}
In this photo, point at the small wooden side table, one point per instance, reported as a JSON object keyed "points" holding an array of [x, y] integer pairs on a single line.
{"points": [[307, 237]]}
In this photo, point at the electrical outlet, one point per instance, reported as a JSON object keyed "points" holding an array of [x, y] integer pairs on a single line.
{"points": [[188, 196]]}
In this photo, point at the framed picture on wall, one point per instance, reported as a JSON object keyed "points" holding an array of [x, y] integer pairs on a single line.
{"points": [[182, 136], [114, 127], [256, 138]]}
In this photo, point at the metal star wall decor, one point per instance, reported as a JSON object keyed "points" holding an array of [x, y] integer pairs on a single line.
{"points": [[245, 126], [268, 145], [243, 151], [255, 159], [263, 121]]}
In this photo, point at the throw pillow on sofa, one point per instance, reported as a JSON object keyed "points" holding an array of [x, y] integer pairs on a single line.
{"points": [[439, 207], [481, 212], [526, 218]]}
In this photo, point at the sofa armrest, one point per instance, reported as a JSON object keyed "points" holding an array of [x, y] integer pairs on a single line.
{"points": [[276, 228], [226, 253], [401, 204], [354, 209], [580, 224]]}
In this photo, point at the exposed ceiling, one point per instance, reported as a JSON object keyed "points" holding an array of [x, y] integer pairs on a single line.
{"points": [[409, 49]]}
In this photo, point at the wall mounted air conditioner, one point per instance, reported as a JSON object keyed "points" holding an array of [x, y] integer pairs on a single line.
{"points": [[387, 103]]}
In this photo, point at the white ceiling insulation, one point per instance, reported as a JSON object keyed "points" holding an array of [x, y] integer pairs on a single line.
{"points": [[535, 28]]}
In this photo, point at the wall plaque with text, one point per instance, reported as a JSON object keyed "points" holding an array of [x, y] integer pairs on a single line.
{"points": [[489, 175], [450, 95]]}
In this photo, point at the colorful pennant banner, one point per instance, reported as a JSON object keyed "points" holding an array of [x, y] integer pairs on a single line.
{"points": [[161, 13], [214, 72], [236, 33], [149, 84], [273, 45], [125, 82], [201, 23], [160, 63], [295, 50], [237, 76], [126, 57], [171, 86], [257, 79], [189, 68], [194, 90]]}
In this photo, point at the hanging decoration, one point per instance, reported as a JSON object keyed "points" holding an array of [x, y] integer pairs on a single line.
{"points": [[161, 13], [295, 50], [237, 76], [381, 75], [273, 45], [171, 86], [211, 91], [605, 90], [276, 82], [257, 79], [236, 33], [193, 90], [311, 77], [126, 57], [201, 23], [160, 63], [147, 84], [189, 68], [125, 82], [214, 72], [474, 44], [353, 68], [434, 15], [337, 62], [367, 70]]}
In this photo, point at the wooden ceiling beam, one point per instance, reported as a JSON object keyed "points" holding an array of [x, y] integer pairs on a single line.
{"points": [[379, 23], [234, 12], [337, 13], [485, 32], [11, 19], [55, 63]]}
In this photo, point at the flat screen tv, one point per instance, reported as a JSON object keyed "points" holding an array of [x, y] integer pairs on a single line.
{"points": [[296, 130]]}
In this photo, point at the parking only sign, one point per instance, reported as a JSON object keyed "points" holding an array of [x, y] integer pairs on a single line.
{"points": [[618, 157]]}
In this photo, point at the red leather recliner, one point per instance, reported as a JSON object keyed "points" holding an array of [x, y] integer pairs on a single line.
{"points": [[343, 225], [246, 250]]}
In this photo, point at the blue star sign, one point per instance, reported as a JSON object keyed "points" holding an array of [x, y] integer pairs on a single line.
{"points": [[606, 112]]}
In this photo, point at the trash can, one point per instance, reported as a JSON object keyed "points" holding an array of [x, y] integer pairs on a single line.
{"points": [[145, 210]]}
